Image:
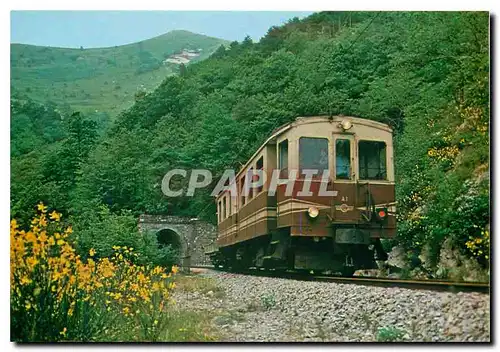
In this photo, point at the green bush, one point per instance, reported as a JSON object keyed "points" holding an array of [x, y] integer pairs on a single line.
{"points": [[268, 301], [389, 334], [101, 230]]}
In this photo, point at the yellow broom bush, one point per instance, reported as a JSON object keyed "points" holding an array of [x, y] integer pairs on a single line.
{"points": [[56, 295]]}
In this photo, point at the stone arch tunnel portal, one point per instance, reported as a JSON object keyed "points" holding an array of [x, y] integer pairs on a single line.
{"points": [[168, 237]]}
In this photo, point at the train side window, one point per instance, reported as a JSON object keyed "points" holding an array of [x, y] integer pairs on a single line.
{"points": [[259, 166], [313, 154], [283, 158], [242, 191], [219, 211], [250, 178], [372, 160], [224, 208], [343, 159]]}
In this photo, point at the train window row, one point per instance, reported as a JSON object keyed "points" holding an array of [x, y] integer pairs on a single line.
{"points": [[313, 154], [224, 208]]}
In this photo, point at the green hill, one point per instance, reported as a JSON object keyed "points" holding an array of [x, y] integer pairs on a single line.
{"points": [[103, 79]]}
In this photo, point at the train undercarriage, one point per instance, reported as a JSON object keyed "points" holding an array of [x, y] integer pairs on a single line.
{"points": [[280, 251]]}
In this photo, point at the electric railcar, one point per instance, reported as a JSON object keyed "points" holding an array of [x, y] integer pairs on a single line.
{"points": [[291, 229]]}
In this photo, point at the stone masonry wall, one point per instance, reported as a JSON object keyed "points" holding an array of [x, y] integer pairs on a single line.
{"points": [[195, 235]]}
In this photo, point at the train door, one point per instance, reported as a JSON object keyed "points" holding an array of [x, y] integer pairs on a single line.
{"points": [[344, 178]]}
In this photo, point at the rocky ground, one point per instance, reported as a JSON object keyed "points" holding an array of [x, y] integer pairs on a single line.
{"points": [[254, 309]]}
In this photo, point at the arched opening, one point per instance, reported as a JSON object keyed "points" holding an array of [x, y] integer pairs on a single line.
{"points": [[170, 244], [167, 237]]}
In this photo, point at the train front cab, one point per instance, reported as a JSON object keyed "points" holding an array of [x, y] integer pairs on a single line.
{"points": [[341, 232]]}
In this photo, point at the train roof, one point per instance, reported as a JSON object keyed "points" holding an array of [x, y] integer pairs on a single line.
{"points": [[314, 119]]}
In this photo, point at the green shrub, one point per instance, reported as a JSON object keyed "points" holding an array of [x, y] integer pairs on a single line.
{"points": [[101, 230], [268, 301], [389, 334]]}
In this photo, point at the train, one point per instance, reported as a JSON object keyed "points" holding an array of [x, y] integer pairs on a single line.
{"points": [[331, 219]]}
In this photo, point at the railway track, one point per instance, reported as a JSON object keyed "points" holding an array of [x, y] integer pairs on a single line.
{"points": [[434, 285]]}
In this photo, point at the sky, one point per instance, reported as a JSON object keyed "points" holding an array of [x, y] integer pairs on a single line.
{"points": [[91, 29]]}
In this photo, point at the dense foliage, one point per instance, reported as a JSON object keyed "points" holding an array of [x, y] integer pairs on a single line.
{"points": [[425, 74]]}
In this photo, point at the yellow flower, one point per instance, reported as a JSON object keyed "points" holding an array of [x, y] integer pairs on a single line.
{"points": [[42, 207], [175, 269], [92, 252], [25, 280], [30, 237], [32, 262], [52, 241], [157, 270], [55, 216], [43, 237], [43, 221]]}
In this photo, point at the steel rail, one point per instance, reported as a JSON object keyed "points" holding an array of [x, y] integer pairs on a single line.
{"points": [[431, 284]]}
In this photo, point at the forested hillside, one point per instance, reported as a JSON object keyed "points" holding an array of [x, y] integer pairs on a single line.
{"points": [[425, 74]]}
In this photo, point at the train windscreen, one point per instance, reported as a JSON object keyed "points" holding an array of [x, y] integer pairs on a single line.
{"points": [[372, 160]]}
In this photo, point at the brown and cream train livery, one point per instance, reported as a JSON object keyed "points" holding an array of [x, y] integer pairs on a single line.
{"points": [[319, 194]]}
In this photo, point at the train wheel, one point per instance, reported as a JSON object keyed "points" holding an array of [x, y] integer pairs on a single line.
{"points": [[348, 271], [259, 258]]}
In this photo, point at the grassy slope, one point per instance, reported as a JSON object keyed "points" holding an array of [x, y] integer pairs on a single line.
{"points": [[103, 79]]}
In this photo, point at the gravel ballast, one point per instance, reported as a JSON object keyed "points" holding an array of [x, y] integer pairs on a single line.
{"points": [[264, 309]]}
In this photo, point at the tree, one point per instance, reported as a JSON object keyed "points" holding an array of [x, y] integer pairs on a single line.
{"points": [[182, 70]]}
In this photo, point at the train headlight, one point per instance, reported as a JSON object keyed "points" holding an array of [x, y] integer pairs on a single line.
{"points": [[346, 124], [313, 212]]}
